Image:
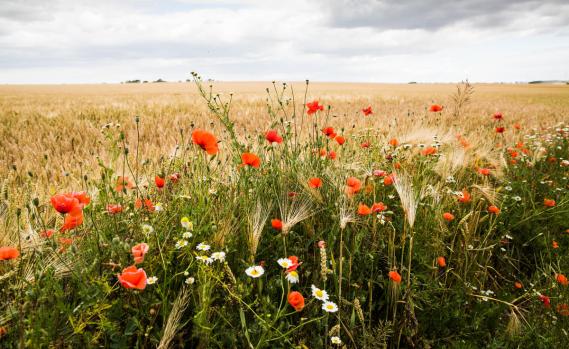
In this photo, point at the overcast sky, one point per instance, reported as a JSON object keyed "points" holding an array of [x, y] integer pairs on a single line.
{"points": [[68, 41]]}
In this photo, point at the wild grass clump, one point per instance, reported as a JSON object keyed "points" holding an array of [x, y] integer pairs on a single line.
{"points": [[301, 234]]}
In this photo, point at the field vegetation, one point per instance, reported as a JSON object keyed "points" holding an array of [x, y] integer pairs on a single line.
{"points": [[270, 215]]}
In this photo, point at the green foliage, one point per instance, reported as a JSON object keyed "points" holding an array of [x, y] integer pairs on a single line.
{"points": [[70, 296]]}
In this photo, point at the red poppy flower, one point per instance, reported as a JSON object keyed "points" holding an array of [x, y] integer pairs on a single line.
{"points": [[250, 159], [64, 203], [206, 141], [123, 183], [159, 181], [132, 277], [429, 151], [545, 300], [513, 153], [484, 171], [295, 264], [364, 210], [518, 285], [82, 197], [395, 277], [441, 261], [448, 216], [138, 252], [340, 140], [517, 126], [47, 233], [353, 185], [272, 136], [378, 207], [393, 142], [500, 129], [465, 197], [548, 202], [73, 219], [7, 253], [493, 209], [388, 180], [332, 155], [562, 279], [296, 300], [367, 111], [563, 309], [114, 208], [315, 182], [313, 107], [555, 244], [498, 116], [436, 108], [379, 173], [277, 224], [365, 144], [329, 132], [147, 203]]}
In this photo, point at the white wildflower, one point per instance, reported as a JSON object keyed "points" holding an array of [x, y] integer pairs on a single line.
{"points": [[203, 247], [330, 307], [319, 294], [292, 277], [218, 256], [181, 243], [255, 271]]}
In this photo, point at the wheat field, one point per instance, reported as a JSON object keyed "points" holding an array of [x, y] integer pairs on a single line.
{"points": [[49, 130]]}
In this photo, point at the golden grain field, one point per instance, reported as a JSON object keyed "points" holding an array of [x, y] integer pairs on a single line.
{"points": [[53, 132]]}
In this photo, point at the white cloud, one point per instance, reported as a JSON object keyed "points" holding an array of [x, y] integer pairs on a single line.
{"points": [[95, 41]]}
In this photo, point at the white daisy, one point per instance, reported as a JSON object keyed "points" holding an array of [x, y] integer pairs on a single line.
{"points": [[187, 235], [205, 259], [319, 294], [151, 280], [255, 271], [181, 243], [336, 340], [292, 277], [190, 281], [203, 247], [147, 229], [330, 307], [186, 223], [158, 207], [285, 263], [219, 256]]}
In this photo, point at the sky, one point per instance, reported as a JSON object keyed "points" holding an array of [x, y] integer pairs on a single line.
{"points": [[80, 41]]}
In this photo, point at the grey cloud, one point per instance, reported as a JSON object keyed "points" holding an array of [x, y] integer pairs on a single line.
{"points": [[436, 14], [26, 11]]}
